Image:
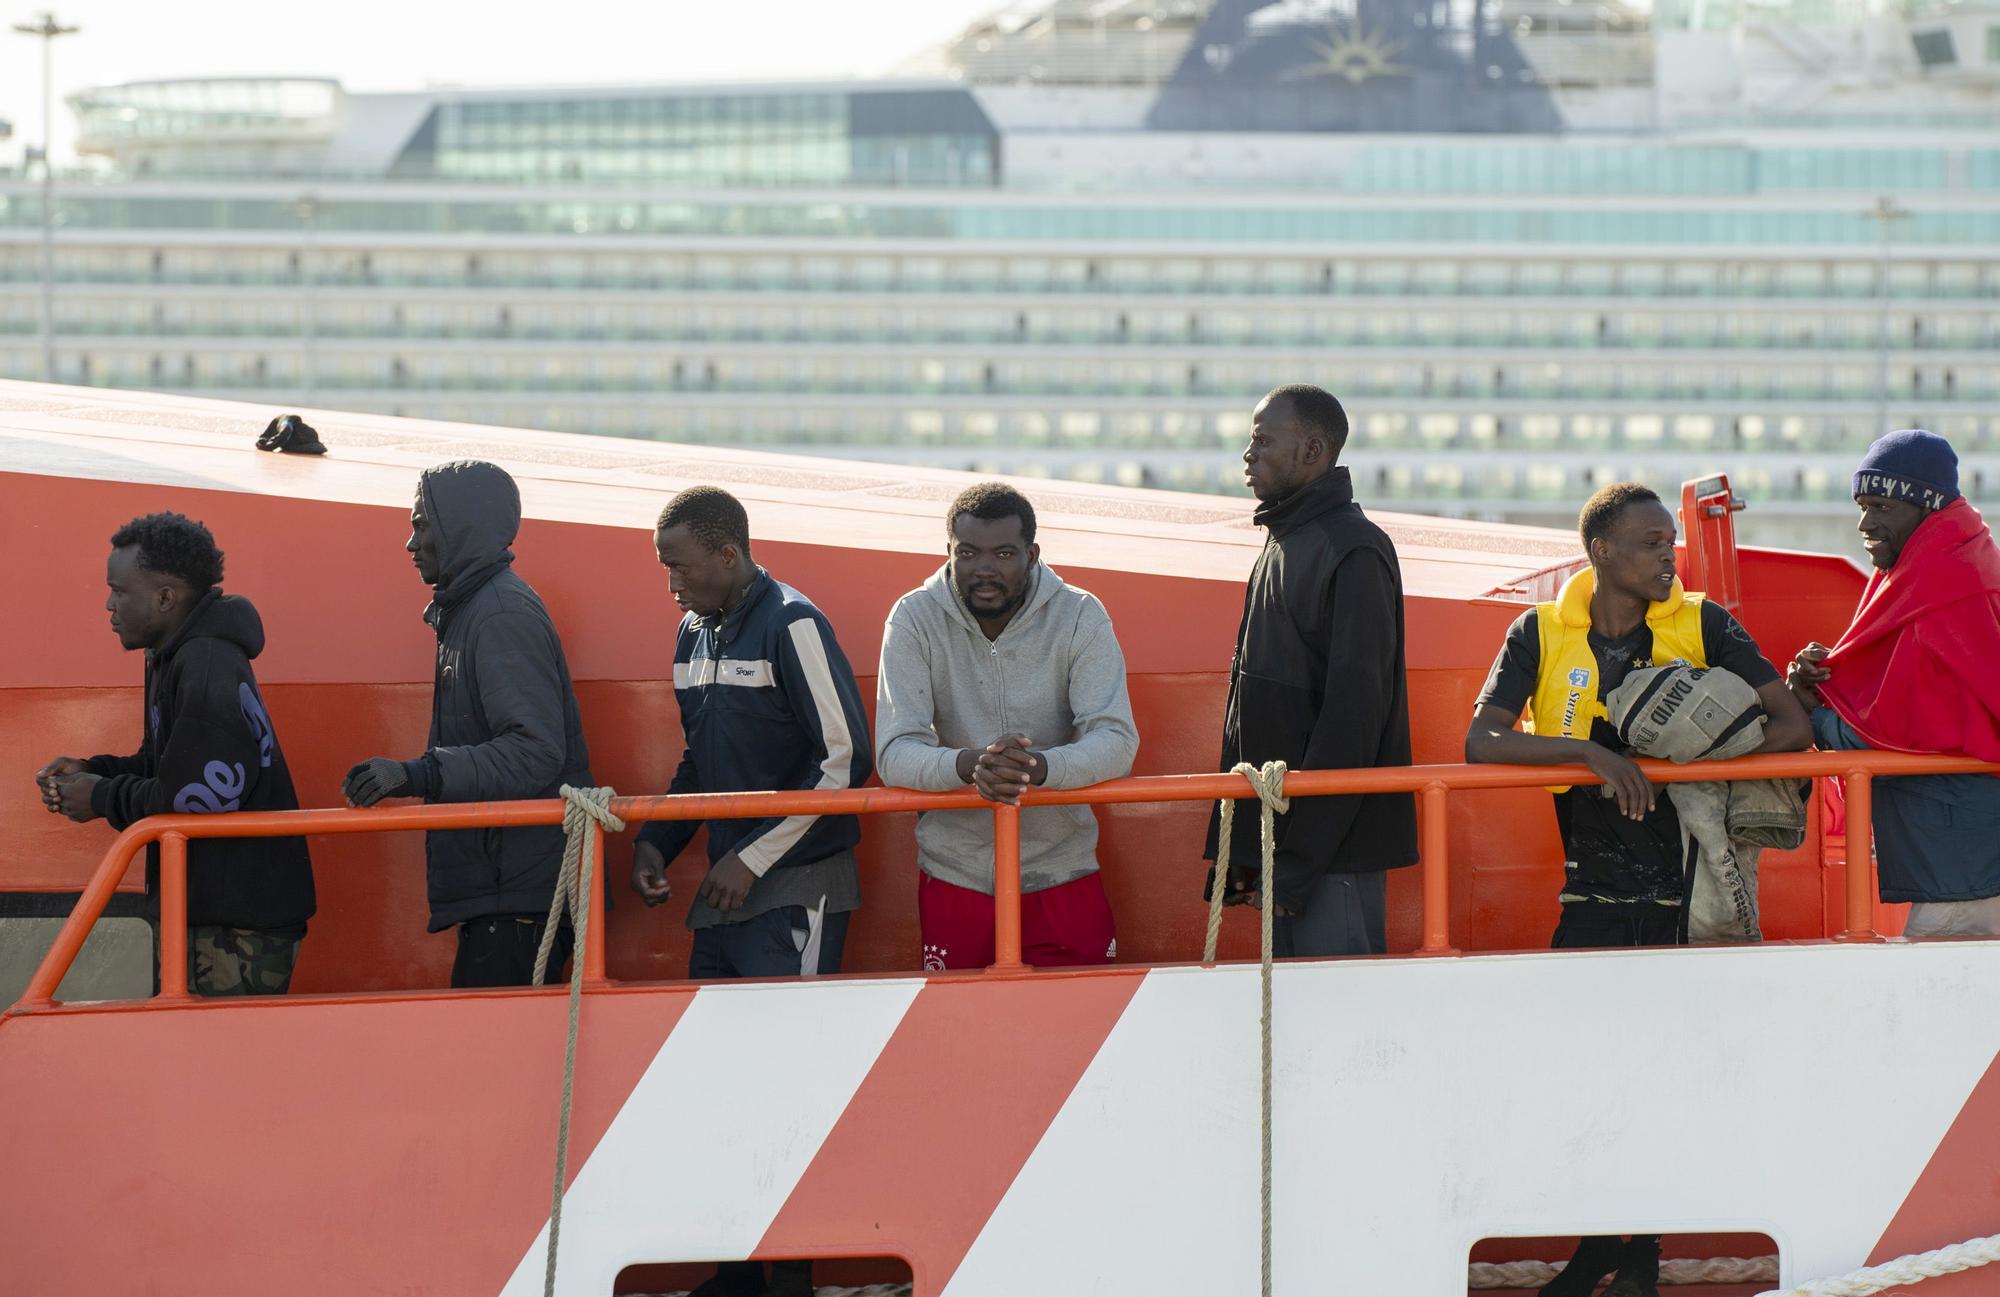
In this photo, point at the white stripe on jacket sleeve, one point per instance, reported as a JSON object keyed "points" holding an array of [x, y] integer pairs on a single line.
{"points": [[834, 768]]}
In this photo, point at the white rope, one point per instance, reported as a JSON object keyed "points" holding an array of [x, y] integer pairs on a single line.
{"points": [[1269, 784], [585, 811], [1866, 1282], [1912, 1269], [1677, 1272], [1709, 1270]]}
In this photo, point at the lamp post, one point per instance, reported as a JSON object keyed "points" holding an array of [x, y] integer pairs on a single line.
{"points": [[1885, 213], [48, 29]]}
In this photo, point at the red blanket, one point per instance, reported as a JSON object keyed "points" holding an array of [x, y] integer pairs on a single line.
{"points": [[1918, 670]]}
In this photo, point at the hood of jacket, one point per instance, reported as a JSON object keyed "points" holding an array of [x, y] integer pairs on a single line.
{"points": [[1330, 490], [474, 510], [227, 617]]}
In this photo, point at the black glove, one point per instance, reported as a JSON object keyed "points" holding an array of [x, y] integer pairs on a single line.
{"points": [[374, 779]]}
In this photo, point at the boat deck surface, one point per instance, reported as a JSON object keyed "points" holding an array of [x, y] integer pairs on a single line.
{"points": [[94, 433]]}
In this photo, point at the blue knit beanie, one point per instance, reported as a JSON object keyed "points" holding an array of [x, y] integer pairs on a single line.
{"points": [[1912, 465]]}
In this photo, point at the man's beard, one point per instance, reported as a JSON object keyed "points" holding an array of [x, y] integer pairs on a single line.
{"points": [[1006, 609]]}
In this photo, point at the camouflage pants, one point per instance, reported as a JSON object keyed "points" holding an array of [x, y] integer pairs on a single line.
{"points": [[239, 961]]}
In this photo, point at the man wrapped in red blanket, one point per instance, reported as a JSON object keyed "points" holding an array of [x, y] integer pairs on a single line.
{"points": [[1914, 672]]}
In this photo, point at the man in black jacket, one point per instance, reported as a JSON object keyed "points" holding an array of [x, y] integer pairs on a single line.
{"points": [[208, 746], [504, 727], [1317, 682]]}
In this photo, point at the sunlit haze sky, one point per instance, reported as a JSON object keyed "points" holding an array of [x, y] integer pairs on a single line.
{"points": [[411, 44]]}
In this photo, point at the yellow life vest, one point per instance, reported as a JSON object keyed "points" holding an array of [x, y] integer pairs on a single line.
{"points": [[1566, 700]]}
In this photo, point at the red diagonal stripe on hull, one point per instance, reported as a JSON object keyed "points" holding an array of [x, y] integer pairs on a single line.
{"points": [[950, 1112], [1956, 1198], [301, 1147]]}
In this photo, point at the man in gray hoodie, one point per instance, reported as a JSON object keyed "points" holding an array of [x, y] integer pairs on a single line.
{"points": [[999, 675]]}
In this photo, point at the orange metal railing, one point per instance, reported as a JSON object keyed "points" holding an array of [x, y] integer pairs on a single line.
{"points": [[1431, 784]]}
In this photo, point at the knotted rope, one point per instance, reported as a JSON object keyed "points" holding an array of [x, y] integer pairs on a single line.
{"points": [[1912, 1269], [1269, 785], [585, 812], [1673, 1271]]}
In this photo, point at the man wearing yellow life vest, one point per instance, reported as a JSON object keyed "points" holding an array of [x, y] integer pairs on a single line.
{"points": [[1625, 879]]}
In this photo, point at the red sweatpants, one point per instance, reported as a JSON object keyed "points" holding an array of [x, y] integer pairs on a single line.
{"points": [[1065, 925]]}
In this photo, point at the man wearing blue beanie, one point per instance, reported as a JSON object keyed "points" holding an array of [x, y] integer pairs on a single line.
{"points": [[1912, 467], [1912, 673]]}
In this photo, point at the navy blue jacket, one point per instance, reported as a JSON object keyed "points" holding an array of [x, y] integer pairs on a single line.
{"points": [[1937, 837], [768, 702]]}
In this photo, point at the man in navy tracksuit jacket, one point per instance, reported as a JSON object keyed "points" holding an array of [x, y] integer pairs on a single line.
{"points": [[768, 702]]}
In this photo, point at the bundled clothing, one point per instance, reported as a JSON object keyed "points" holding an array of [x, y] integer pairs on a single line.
{"points": [[1727, 827], [768, 702], [1318, 682], [1683, 713], [1056, 674], [1625, 881], [504, 719], [210, 747]]}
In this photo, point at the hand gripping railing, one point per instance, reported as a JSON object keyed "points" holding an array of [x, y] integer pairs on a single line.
{"points": [[1431, 784]]}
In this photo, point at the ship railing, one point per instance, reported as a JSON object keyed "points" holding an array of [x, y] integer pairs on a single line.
{"points": [[1432, 785]]}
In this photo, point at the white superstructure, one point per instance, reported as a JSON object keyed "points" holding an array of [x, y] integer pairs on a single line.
{"points": [[1533, 246]]}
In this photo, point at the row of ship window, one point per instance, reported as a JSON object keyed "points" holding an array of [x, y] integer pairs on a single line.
{"points": [[1573, 377], [1666, 169], [1499, 486], [821, 158], [727, 152], [1857, 275], [474, 121], [1904, 330], [910, 423], [1840, 222]]}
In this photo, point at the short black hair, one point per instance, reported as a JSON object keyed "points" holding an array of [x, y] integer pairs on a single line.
{"points": [[989, 501], [714, 516], [1603, 510], [175, 546], [1318, 409]]}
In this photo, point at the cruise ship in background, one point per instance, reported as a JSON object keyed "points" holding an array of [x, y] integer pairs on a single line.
{"points": [[1534, 245]]}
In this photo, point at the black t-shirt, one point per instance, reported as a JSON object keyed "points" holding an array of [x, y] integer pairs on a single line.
{"points": [[1612, 858]]}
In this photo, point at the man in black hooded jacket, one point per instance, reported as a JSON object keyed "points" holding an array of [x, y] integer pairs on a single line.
{"points": [[1317, 682], [208, 747], [504, 727]]}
